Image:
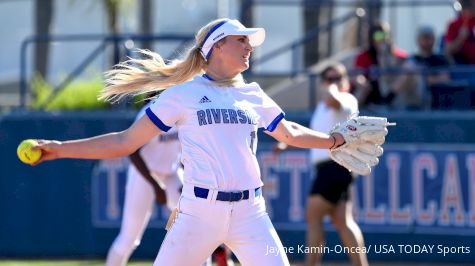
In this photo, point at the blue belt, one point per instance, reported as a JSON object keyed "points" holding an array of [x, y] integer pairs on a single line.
{"points": [[226, 196]]}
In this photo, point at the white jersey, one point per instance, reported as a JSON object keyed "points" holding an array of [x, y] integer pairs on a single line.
{"points": [[162, 153], [324, 118], [217, 128]]}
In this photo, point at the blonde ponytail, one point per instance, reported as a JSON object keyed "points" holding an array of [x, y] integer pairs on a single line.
{"points": [[139, 76]]}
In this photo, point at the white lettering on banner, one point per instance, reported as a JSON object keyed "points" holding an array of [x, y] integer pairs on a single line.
{"points": [[293, 163], [296, 164], [113, 209], [372, 215], [398, 215], [108, 185], [410, 187], [113, 167], [470, 163], [451, 193], [424, 161]]}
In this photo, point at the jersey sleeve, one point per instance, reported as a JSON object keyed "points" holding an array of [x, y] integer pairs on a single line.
{"points": [[270, 113], [165, 111], [142, 111]]}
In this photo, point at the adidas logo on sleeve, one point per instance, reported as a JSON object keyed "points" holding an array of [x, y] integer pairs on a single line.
{"points": [[205, 100]]}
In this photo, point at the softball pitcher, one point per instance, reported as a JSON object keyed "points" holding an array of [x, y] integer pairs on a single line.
{"points": [[217, 116]]}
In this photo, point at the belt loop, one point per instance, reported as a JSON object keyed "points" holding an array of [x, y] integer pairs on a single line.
{"points": [[212, 195], [255, 191], [252, 195], [194, 194]]}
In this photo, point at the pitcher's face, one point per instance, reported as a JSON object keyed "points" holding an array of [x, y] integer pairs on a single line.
{"points": [[235, 51]]}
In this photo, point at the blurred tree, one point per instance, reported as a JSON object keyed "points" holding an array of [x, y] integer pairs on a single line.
{"points": [[311, 15], [316, 14], [112, 8], [44, 10], [374, 10], [247, 17], [354, 30], [146, 22]]}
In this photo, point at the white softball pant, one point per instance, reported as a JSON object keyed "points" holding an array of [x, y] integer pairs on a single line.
{"points": [[202, 224], [138, 207]]}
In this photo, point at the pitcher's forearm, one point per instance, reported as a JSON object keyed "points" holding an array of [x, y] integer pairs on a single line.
{"points": [[299, 136], [100, 147], [111, 145], [306, 138]]}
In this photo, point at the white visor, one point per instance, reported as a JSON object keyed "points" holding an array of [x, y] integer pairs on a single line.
{"points": [[231, 27]]}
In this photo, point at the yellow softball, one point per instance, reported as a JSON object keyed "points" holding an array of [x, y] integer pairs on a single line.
{"points": [[25, 154]]}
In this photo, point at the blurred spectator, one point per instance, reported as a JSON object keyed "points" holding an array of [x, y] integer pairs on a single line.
{"points": [[329, 194], [395, 85], [330, 191], [433, 66], [460, 36], [427, 58]]}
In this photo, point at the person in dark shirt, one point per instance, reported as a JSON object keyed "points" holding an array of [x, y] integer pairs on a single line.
{"points": [[433, 64]]}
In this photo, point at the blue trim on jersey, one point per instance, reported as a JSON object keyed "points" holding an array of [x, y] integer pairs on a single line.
{"points": [[156, 120], [208, 77], [276, 121]]}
